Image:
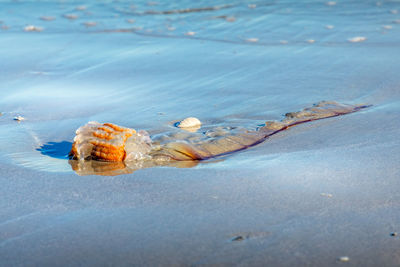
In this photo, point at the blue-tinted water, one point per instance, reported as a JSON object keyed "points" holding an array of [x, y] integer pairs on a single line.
{"points": [[146, 65], [251, 61]]}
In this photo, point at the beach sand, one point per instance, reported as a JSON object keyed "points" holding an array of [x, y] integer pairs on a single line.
{"points": [[324, 193]]}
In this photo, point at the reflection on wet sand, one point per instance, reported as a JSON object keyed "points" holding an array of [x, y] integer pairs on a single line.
{"points": [[94, 167]]}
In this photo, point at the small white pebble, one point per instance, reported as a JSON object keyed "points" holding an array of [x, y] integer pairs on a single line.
{"points": [[252, 5], [310, 41], [329, 27], [397, 21], [171, 28], [131, 21], [357, 39], [189, 122], [252, 40], [19, 118], [32, 28], [394, 11], [330, 3], [326, 195], [344, 259], [283, 41], [387, 27], [190, 33]]}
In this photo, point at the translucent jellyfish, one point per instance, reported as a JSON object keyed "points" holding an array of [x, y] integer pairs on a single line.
{"points": [[128, 149]]}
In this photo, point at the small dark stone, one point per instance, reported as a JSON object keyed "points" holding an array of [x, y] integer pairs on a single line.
{"points": [[238, 238], [393, 234]]}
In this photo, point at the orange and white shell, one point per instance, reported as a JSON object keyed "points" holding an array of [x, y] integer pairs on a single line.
{"points": [[108, 142]]}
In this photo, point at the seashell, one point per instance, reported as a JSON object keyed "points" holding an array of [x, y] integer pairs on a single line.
{"points": [[189, 123], [32, 28], [190, 33], [344, 258], [252, 40], [357, 39], [19, 118], [330, 3]]}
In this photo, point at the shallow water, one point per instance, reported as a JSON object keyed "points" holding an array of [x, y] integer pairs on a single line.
{"points": [[230, 65]]}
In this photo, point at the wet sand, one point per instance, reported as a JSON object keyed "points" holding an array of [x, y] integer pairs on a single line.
{"points": [[324, 193]]}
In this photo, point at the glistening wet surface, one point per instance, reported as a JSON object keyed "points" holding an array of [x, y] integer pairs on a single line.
{"points": [[147, 65]]}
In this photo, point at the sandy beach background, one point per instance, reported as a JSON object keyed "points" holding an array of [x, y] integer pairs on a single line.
{"points": [[320, 194]]}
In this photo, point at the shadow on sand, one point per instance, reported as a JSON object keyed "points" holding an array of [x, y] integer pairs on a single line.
{"points": [[57, 150]]}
